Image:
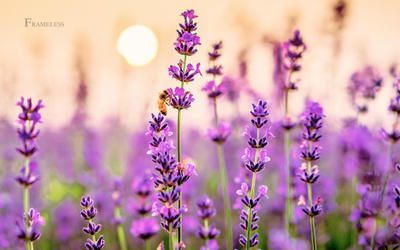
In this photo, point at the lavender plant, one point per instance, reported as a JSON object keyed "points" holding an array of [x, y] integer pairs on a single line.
{"points": [[88, 213], [255, 158], [29, 118], [207, 232], [169, 176], [179, 98], [220, 132], [312, 123], [288, 64]]}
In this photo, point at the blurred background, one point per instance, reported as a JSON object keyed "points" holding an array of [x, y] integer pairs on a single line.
{"points": [[44, 62], [98, 102]]}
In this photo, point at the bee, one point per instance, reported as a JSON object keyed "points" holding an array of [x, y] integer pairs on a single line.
{"points": [[163, 101]]}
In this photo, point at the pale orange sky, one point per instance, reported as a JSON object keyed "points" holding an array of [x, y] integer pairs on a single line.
{"points": [[38, 62]]}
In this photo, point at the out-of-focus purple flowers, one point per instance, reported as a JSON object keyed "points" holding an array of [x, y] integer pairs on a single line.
{"points": [[88, 213], [214, 90], [144, 228], [205, 212], [254, 158], [363, 86], [292, 51], [220, 134]]}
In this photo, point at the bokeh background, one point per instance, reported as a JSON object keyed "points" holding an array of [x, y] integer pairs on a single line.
{"points": [[40, 62]]}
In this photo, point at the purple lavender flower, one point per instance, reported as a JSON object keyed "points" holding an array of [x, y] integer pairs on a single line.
{"points": [[88, 213], [254, 158], [179, 98], [187, 40], [205, 212], [214, 90], [184, 74], [169, 174], [220, 134], [312, 123], [31, 232], [28, 119], [144, 228], [292, 51]]}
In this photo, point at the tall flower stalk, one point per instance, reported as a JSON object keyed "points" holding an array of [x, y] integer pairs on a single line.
{"points": [[29, 118], [292, 51], [88, 213], [185, 45], [255, 159], [312, 123], [219, 133]]}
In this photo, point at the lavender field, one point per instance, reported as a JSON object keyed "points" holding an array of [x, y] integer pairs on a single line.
{"points": [[205, 133]]}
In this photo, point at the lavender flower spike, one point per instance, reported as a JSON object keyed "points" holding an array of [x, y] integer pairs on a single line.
{"points": [[219, 134], [88, 213], [255, 159], [29, 118], [312, 123]]}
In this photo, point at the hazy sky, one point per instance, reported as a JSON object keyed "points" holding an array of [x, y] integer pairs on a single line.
{"points": [[38, 62]]}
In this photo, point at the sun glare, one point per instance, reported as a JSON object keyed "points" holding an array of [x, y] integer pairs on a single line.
{"points": [[138, 45]]}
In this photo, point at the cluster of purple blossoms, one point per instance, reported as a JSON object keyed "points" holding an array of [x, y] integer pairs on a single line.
{"points": [[292, 51], [187, 40], [363, 86], [213, 89], [29, 118], [169, 176], [255, 159], [206, 232], [88, 213], [215, 70], [312, 123], [179, 98], [144, 228]]}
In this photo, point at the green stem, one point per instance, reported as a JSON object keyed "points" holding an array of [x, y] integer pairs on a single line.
{"points": [[222, 167], [178, 142], [227, 207], [120, 229], [253, 186], [147, 245], [288, 214], [206, 228], [94, 236], [26, 201], [373, 234], [170, 238], [312, 221]]}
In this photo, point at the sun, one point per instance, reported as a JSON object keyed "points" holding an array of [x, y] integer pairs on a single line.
{"points": [[138, 45]]}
